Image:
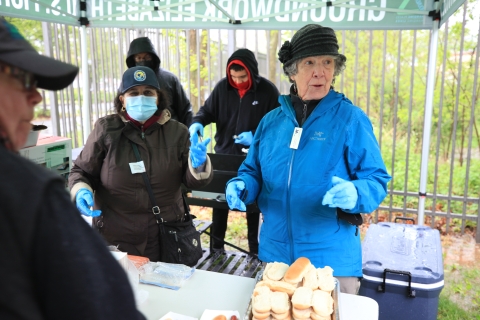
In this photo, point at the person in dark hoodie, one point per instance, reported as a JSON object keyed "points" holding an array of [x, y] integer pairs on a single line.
{"points": [[237, 104], [142, 53]]}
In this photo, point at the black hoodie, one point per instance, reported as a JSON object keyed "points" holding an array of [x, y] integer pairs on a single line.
{"points": [[179, 104], [234, 115]]}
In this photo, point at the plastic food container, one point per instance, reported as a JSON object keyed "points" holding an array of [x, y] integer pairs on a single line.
{"points": [[32, 139], [402, 270], [33, 135]]}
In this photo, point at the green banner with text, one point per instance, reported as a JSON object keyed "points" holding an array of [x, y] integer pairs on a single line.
{"points": [[448, 8], [219, 14]]}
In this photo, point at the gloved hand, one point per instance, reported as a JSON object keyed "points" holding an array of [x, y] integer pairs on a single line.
{"points": [[198, 151], [343, 194], [233, 192], [195, 129], [245, 138], [84, 199]]}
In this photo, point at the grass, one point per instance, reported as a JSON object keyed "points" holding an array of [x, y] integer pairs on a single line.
{"points": [[236, 231], [448, 310], [460, 296]]}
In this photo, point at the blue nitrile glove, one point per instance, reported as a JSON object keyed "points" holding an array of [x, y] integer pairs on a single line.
{"points": [[195, 129], [233, 193], [198, 151], [84, 199], [343, 194], [245, 138]]}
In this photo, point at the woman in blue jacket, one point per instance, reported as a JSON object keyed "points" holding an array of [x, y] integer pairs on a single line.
{"points": [[314, 162]]}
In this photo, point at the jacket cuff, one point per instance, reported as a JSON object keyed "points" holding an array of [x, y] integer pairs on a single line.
{"points": [[78, 186], [201, 175]]}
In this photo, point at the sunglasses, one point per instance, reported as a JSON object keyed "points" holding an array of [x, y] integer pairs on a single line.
{"points": [[26, 78]]}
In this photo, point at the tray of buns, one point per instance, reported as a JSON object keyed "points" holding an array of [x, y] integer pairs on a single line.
{"points": [[299, 291]]}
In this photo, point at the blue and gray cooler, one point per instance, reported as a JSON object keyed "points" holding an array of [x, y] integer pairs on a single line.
{"points": [[402, 270]]}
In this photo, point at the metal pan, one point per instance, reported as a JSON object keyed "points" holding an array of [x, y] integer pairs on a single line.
{"points": [[335, 295]]}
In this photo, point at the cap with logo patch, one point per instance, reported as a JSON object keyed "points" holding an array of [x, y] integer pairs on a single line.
{"points": [[139, 76]]}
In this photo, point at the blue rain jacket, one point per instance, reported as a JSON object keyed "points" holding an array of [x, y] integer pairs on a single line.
{"points": [[289, 185]]}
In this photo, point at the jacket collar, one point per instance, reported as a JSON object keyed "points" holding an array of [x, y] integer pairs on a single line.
{"points": [[164, 117], [327, 102]]}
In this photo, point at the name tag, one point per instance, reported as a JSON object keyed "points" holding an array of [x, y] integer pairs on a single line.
{"points": [[297, 134], [137, 167]]}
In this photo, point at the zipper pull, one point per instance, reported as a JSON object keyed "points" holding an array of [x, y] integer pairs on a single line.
{"points": [[143, 133], [304, 116], [175, 234]]}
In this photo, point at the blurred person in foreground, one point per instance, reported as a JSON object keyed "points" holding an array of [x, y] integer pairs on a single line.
{"points": [[107, 175], [313, 163], [54, 266], [142, 53], [236, 105]]}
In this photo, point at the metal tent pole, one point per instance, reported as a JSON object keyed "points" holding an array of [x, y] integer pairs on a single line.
{"points": [[86, 85], [87, 128], [427, 122]]}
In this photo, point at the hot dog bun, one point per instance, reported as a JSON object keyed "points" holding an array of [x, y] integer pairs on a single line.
{"points": [[280, 286], [280, 302], [302, 298], [325, 279], [322, 303], [310, 280], [261, 303], [277, 271], [297, 270]]}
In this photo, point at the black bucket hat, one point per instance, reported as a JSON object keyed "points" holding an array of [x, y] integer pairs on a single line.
{"points": [[311, 40], [139, 76], [51, 74]]}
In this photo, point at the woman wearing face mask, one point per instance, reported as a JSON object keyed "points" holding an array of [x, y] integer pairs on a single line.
{"points": [[108, 177]]}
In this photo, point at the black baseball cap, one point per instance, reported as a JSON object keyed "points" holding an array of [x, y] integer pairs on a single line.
{"points": [[139, 76], [51, 74]]}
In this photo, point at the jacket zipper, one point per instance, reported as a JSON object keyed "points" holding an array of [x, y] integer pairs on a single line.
{"points": [[179, 251], [236, 125], [304, 115], [289, 218], [289, 180]]}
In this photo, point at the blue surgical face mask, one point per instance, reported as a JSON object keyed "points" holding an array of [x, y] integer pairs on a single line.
{"points": [[141, 108]]}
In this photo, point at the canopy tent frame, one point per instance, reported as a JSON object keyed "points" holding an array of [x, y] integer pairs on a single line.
{"points": [[439, 13]]}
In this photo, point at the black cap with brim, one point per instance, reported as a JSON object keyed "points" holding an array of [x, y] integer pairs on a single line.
{"points": [[51, 74]]}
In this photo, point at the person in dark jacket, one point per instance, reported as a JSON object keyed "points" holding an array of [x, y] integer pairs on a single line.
{"points": [[142, 53], [108, 176], [53, 265], [236, 105]]}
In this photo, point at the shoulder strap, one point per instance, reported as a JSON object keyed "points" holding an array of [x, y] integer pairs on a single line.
{"points": [[155, 208]]}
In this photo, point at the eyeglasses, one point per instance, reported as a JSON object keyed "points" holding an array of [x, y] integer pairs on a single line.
{"points": [[146, 57], [26, 78]]}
